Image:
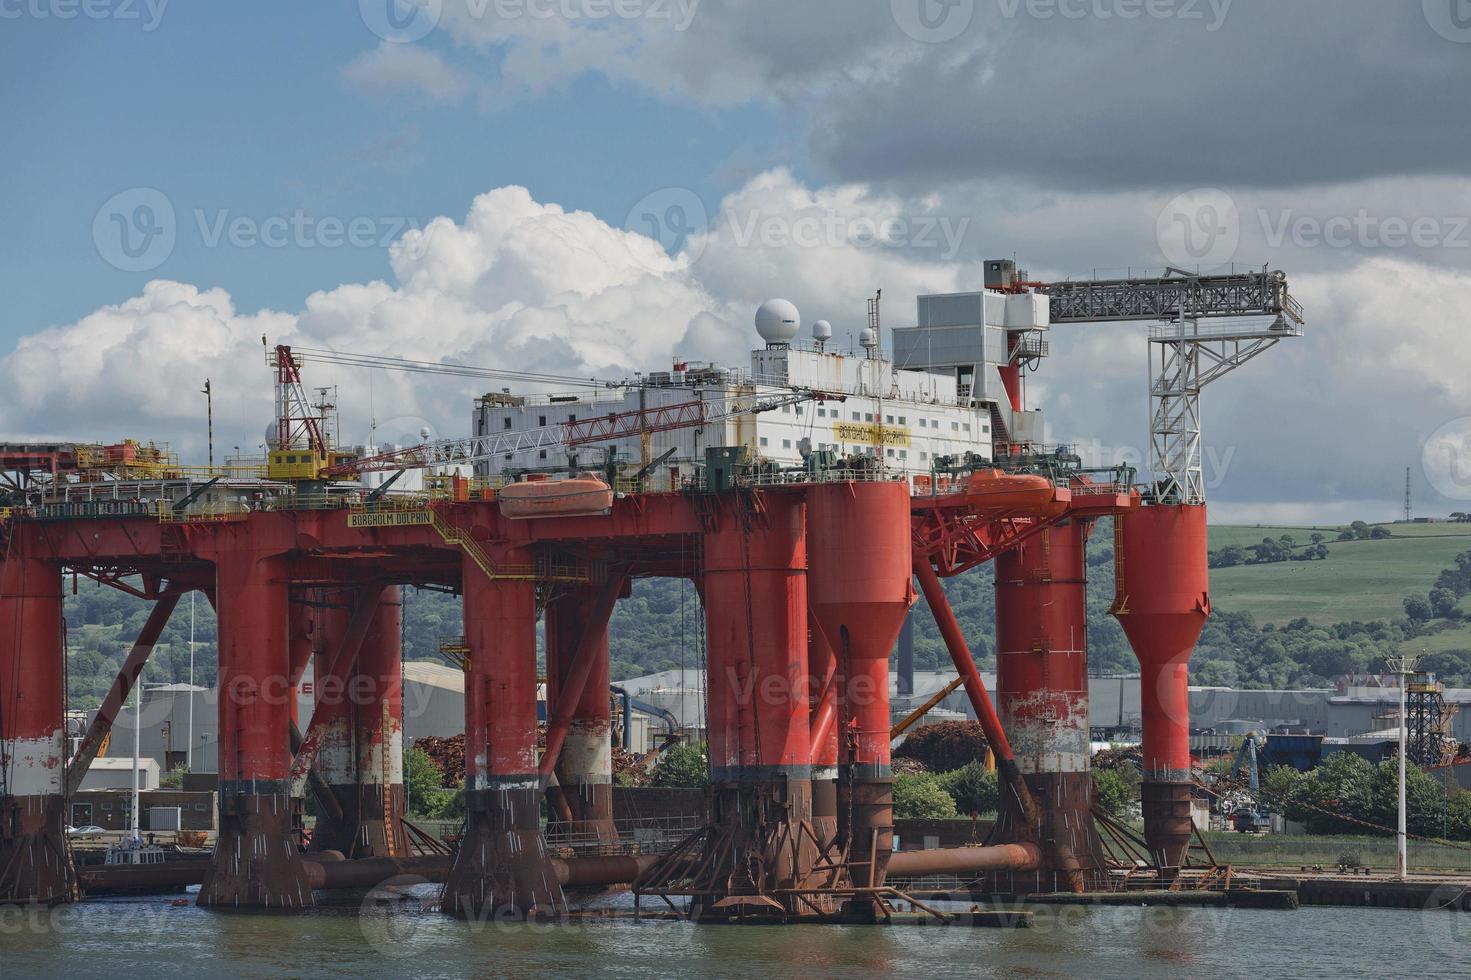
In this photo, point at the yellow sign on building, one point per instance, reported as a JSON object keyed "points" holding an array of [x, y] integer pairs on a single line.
{"points": [[388, 518], [871, 434]]}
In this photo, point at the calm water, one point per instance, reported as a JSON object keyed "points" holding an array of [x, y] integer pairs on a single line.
{"points": [[146, 938]]}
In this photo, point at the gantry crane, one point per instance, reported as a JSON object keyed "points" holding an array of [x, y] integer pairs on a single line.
{"points": [[1184, 355]]}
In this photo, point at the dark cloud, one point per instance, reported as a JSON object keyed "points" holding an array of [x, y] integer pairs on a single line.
{"points": [[1283, 93]]}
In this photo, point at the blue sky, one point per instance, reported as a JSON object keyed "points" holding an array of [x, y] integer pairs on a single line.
{"points": [[240, 109]]}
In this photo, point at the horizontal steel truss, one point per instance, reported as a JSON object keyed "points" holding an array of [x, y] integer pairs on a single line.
{"points": [[1262, 293]]}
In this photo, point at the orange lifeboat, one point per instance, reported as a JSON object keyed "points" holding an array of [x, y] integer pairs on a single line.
{"points": [[578, 496], [1011, 492]]}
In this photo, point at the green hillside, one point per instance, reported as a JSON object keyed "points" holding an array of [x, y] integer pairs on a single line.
{"points": [[1363, 579]]}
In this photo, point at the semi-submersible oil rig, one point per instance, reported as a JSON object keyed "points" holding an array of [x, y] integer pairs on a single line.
{"points": [[806, 558]]}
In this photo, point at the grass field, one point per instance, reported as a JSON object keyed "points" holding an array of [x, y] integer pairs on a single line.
{"points": [[1361, 580]]}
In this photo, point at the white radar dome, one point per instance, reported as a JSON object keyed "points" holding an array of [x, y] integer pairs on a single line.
{"points": [[777, 321], [868, 337], [822, 330], [273, 437]]}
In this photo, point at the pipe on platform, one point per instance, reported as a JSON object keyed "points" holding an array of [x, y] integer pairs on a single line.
{"points": [[122, 686], [965, 664], [965, 860], [329, 870]]}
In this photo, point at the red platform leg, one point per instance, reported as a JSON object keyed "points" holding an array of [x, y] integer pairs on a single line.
{"points": [[502, 868], [755, 593], [822, 665], [257, 862], [860, 568], [35, 862], [585, 766], [1162, 603], [1042, 694], [378, 723]]}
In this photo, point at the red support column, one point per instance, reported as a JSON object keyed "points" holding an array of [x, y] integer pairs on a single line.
{"points": [[860, 568], [35, 862], [1162, 602], [755, 593], [502, 868], [585, 765], [336, 749], [822, 664], [304, 629], [378, 717], [256, 858], [1042, 694], [360, 751]]}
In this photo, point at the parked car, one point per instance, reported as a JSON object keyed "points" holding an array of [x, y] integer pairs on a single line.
{"points": [[82, 831]]}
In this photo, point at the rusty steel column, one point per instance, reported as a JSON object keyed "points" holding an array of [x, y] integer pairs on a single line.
{"points": [[502, 869], [1162, 601], [755, 589], [585, 766], [378, 718], [1042, 694], [860, 569], [303, 628], [822, 666], [35, 861], [256, 862], [336, 750]]}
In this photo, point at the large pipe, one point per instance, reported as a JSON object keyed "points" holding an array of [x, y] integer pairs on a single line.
{"points": [[328, 870], [975, 688], [965, 860], [122, 686], [35, 863], [1162, 601]]}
